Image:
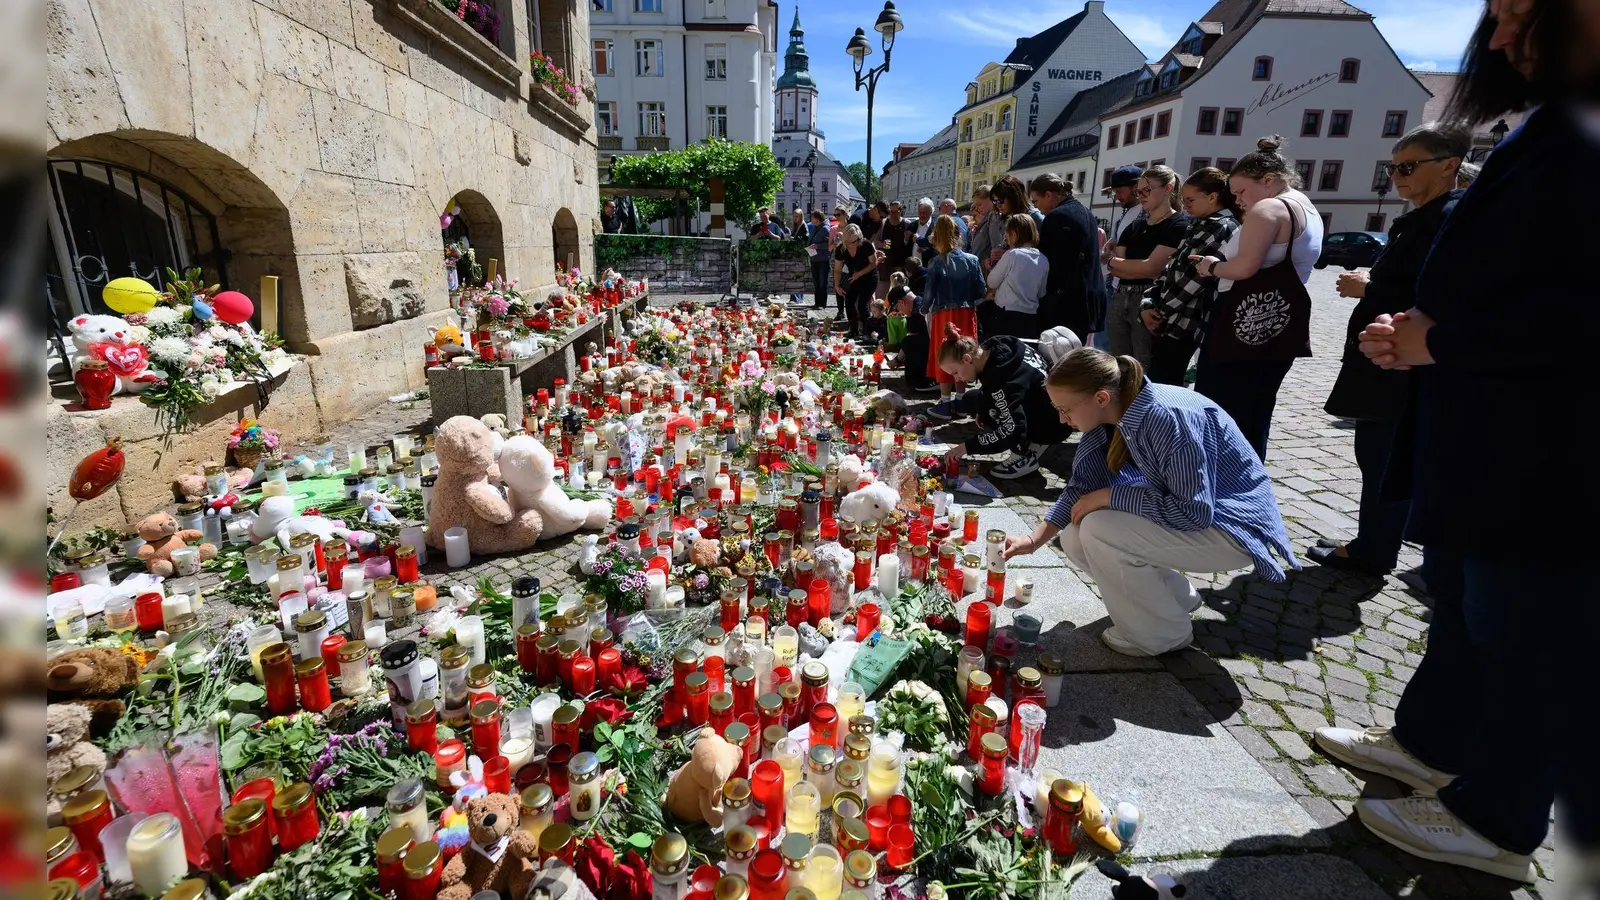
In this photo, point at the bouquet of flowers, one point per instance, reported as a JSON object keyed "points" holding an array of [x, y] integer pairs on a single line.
{"points": [[249, 440], [551, 75]]}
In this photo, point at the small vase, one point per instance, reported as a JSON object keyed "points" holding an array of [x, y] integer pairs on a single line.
{"points": [[95, 383]]}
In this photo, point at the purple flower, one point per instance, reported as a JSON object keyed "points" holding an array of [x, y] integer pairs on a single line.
{"points": [[700, 581]]}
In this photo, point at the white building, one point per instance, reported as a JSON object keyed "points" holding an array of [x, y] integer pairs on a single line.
{"points": [[669, 73], [1317, 72], [929, 171], [1070, 146], [823, 184]]}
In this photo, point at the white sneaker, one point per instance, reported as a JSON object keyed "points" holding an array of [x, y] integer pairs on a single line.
{"points": [[1422, 826], [1376, 750], [1114, 640]]}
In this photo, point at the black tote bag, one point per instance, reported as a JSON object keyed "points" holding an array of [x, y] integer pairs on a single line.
{"points": [[1266, 317]]}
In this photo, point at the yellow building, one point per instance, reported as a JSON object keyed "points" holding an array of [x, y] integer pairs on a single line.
{"points": [[1012, 102]]}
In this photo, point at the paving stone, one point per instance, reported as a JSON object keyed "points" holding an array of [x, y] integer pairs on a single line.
{"points": [[1285, 774], [1261, 715], [1072, 618], [1322, 811], [1330, 780], [1265, 690], [994, 515], [1353, 710], [1292, 745], [1307, 720], [1207, 792], [1311, 876], [1336, 671]]}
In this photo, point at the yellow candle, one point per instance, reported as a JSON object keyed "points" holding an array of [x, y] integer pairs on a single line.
{"points": [[883, 775], [852, 701], [785, 645], [786, 753], [803, 809], [824, 872]]}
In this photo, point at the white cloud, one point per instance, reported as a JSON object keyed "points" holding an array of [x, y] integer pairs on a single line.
{"points": [[1427, 29], [1152, 35], [1424, 65]]}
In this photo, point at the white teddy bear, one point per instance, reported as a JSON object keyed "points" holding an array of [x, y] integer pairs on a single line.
{"points": [[112, 339], [872, 503], [275, 518], [528, 470]]}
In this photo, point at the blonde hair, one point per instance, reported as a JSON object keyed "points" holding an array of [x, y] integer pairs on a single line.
{"points": [[1021, 230], [897, 279], [946, 234], [877, 307], [852, 232], [1167, 177], [1088, 371], [1268, 161]]}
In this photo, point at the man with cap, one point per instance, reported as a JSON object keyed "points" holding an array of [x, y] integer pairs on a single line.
{"points": [[1125, 210]]}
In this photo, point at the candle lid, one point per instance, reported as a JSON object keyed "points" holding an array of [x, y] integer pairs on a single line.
{"points": [[789, 690], [1066, 794], [848, 773], [583, 766], [731, 887], [74, 781], [419, 711], [721, 701], [480, 675], [1027, 676], [863, 724], [292, 798], [713, 636], [393, 844], [289, 562], [548, 642], [405, 794], [567, 714], [985, 715], [399, 653], [1050, 665], [309, 667], [159, 827], [244, 815], [84, 806], [744, 674], [669, 853], [696, 683], [860, 865], [187, 509], [354, 651], [736, 733], [814, 674], [855, 832], [449, 753], [740, 840], [822, 757], [795, 849], [528, 630], [485, 710], [303, 540], [420, 859], [857, 746], [536, 798], [385, 582], [188, 889], [994, 745], [981, 679]]}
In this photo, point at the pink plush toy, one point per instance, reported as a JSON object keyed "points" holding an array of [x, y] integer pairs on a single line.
{"points": [[465, 496]]}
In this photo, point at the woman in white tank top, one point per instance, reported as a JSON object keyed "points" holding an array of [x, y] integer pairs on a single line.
{"points": [[1279, 221]]}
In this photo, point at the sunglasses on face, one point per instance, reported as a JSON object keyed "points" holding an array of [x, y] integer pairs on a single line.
{"points": [[1144, 192], [1408, 168]]}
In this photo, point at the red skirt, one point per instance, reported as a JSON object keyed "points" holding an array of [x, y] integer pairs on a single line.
{"points": [[964, 318]]}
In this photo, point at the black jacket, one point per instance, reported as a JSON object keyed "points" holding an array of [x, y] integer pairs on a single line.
{"points": [[1010, 403], [1500, 460], [1075, 294]]}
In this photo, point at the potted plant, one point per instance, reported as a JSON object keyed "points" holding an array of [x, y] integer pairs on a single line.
{"points": [[250, 441]]}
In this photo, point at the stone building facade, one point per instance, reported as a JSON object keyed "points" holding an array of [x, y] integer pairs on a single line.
{"points": [[319, 141]]}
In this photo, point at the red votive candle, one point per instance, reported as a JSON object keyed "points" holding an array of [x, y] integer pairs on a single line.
{"points": [[878, 823], [867, 618], [497, 775], [902, 843], [979, 618], [583, 676], [608, 665]]}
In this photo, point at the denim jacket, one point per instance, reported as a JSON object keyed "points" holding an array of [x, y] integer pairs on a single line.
{"points": [[954, 281]]}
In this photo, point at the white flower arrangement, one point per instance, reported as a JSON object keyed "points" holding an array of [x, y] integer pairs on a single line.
{"points": [[163, 317], [171, 351]]}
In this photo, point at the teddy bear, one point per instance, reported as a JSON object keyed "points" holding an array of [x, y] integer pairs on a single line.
{"points": [[92, 678], [464, 494], [705, 553], [872, 503], [528, 470], [111, 339], [191, 488], [162, 536], [67, 745], [502, 858], [448, 340], [1140, 887], [835, 565], [275, 518], [694, 793]]}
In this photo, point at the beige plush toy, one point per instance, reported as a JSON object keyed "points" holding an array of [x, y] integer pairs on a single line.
{"points": [[67, 745], [464, 495], [162, 536], [502, 858], [695, 792], [528, 470]]}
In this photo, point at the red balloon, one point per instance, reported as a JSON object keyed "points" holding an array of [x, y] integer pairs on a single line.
{"points": [[98, 471], [233, 307]]}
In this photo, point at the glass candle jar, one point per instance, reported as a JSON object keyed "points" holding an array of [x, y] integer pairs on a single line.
{"points": [[538, 809], [792, 693], [316, 694], [736, 803], [669, 864], [785, 645], [423, 865], [1026, 688], [981, 720], [87, 814], [796, 851], [407, 804], [156, 854], [849, 777], [992, 766], [744, 691], [824, 724], [1051, 671], [820, 763], [295, 810], [739, 845], [277, 669], [248, 838], [583, 785], [527, 640], [486, 717], [1029, 718], [564, 726], [355, 679], [979, 687], [803, 809], [390, 853], [721, 712], [824, 874], [767, 793], [450, 758], [767, 875], [1066, 808], [697, 698], [969, 660], [120, 616], [883, 775], [979, 618], [769, 707], [422, 726], [861, 872]]}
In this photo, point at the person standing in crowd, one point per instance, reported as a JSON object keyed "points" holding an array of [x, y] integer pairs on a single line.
{"points": [[1247, 354], [986, 239], [1141, 254], [855, 276], [955, 285], [897, 241], [1202, 501], [870, 220], [947, 207], [1125, 210], [906, 286], [1423, 168], [819, 240], [610, 222], [1017, 282], [1007, 399], [1493, 720], [1010, 197], [1069, 239], [797, 226], [766, 228], [1177, 307], [922, 228]]}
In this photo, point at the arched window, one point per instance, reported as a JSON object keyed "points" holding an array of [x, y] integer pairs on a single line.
{"points": [[1005, 118]]}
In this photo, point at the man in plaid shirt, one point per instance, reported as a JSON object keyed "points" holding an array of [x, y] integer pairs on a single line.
{"points": [[1177, 307]]}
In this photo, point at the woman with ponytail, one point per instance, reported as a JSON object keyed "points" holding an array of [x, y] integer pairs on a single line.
{"points": [[1012, 411], [1163, 483]]}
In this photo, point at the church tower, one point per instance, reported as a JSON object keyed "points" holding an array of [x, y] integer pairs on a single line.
{"points": [[797, 91]]}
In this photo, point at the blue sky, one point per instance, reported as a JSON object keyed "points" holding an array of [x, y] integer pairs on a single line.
{"points": [[946, 42]]}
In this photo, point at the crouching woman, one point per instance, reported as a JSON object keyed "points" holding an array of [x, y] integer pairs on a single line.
{"points": [[1163, 483]]}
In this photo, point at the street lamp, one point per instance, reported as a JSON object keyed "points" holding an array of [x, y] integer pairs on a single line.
{"points": [[887, 26], [1499, 131], [811, 178], [1382, 191]]}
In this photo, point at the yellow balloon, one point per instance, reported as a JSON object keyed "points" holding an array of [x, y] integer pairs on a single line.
{"points": [[130, 295]]}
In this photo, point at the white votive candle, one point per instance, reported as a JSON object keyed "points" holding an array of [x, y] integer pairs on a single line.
{"points": [[889, 575], [376, 633], [155, 854], [457, 552], [656, 589], [353, 578], [174, 606], [469, 634], [415, 537]]}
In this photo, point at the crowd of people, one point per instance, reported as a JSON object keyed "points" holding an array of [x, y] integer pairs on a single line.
{"points": [[1470, 319]]}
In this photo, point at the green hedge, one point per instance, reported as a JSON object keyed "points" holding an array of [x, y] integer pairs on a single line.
{"points": [[764, 249], [611, 249]]}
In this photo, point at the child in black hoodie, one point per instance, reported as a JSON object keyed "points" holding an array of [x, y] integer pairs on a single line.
{"points": [[1009, 401]]}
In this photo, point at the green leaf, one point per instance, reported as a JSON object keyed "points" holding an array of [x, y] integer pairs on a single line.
{"points": [[241, 721], [639, 841], [246, 695]]}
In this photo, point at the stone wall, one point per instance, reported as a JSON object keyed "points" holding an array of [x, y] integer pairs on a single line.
{"points": [[673, 265], [326, 137], [762, 271]]}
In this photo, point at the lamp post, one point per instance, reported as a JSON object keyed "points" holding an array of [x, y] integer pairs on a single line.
{"points": [[811, 178], [1382, 191], [1499, 131], [887, 26]]}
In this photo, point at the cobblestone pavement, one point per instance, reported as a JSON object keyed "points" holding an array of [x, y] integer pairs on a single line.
{"points": [[1271, 662]]}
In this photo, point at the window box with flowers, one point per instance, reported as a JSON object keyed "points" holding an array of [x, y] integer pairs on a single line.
{"points": [[471, 28], [557, 93]]}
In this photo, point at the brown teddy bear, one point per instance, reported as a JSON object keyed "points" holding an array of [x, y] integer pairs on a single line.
{"points": [[705, 553], [502, 857], [191, 488], [92, 678], [695, 792], [464, 495], [67, 745], [162, 536]]}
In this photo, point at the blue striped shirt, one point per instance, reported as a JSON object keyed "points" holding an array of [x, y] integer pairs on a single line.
{"points": [[1189, 469]]}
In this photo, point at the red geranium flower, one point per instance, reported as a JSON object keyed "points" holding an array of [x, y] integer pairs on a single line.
{"points": [[595, 862], [609, 710]]}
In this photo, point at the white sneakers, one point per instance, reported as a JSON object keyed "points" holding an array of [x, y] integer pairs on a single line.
{"points": [[1376, 750], [1115, 642], [1422, 826]]}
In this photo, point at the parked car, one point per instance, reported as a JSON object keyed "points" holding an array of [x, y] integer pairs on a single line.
{"points": [[1351, 248]]}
